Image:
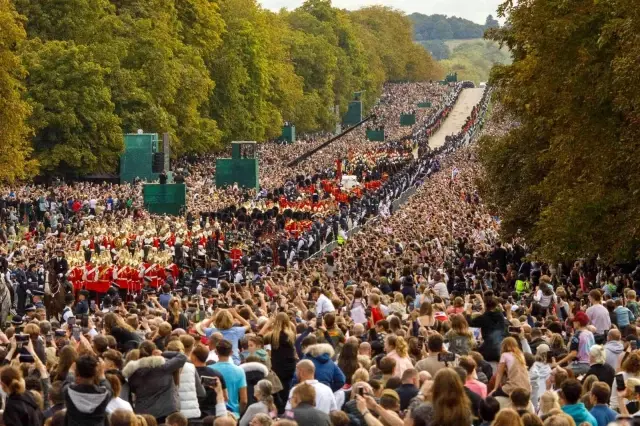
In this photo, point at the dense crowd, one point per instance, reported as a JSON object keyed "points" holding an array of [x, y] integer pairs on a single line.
{"points": [[423, 318]]}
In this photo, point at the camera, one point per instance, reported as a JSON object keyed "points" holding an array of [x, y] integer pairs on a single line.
{"points": [[446, 357], [209, 381]]}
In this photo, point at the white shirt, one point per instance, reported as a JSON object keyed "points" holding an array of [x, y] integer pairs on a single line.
{"points": [[118, 404], [441, 290], [213, 356], [67, 314], [324, 305], [325, 400], [599, 317]]}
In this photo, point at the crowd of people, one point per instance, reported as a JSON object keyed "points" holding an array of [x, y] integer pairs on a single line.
{"points": [[423, 318]]}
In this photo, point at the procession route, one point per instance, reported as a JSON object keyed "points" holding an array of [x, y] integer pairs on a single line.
{"points": [[456, 119]]}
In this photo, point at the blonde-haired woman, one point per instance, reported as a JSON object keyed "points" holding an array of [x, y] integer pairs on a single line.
{"points": [[176, 317], [360, 375], [559, 419], [398, 349], [280, 333], [449, 405], [223, 322], [264, 405], [630, 369], [548, 401], [512, 369], [20, 408], [398, 305]]}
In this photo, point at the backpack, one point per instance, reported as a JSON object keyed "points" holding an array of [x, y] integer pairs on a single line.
{"points": [[459, 344]]}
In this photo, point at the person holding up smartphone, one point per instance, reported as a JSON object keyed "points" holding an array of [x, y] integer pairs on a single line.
{"points": [[212, 381]]}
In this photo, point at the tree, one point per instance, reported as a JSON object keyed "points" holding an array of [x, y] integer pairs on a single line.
{"points": [[441, 27], [162, 84], [438, 49], [568, 176], [491, 22], [73, 116], [473, 60], [15, 148], [205, 71]]}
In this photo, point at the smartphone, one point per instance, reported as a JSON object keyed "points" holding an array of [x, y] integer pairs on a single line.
{"points": [[84, 321], [361, 391], [209, 381], [93, 305], [421, 341], [48, 338], [26, 358], [71, 321], [620, 382], [22, 340], [319, 320], [60, 333], [633, 344], [446, 357], [514, 330], [549, 357], [76, 332]]}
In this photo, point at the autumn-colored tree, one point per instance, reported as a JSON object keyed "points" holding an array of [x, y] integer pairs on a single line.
{"points": [[14, 143], [205, 71], [568, 176]]}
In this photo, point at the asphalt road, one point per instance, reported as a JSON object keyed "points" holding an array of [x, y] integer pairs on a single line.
{"points": [[456, 119]]}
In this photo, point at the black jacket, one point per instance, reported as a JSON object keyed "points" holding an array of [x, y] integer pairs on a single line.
{"points": [[604, 373], [22, 410], [493, 326], [406, 392]]}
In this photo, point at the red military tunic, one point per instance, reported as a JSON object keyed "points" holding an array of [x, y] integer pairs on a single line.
{"points": [[236, 256], [158, 276], [75, 277], [122, 277], [90, 276]]}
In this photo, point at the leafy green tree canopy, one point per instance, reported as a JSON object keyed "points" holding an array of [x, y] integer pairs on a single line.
{"points": [[568, 176]]}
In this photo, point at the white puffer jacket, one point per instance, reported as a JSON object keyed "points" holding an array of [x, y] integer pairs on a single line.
{"points": [[188, 393]]}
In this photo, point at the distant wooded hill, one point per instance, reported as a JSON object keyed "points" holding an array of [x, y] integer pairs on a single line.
{"points": [[442, 27]]}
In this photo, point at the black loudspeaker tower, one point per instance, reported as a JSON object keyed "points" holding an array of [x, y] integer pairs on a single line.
{"points": [[158, 162]]}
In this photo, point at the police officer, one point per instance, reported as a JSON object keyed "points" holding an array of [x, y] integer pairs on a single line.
{"points": [[185, 275], [22, 289], [60, 265], [67, 312]]}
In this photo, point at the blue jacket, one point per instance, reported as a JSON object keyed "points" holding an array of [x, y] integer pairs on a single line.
{"points": [[603, 414], [624, 316], [327, 371], [579, 414]]}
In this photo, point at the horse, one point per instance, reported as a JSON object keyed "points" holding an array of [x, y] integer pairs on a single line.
{"points": [[5, 299], [54, 292]]}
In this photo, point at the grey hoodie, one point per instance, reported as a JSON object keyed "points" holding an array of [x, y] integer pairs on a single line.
{"points": [[613, 350]]}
